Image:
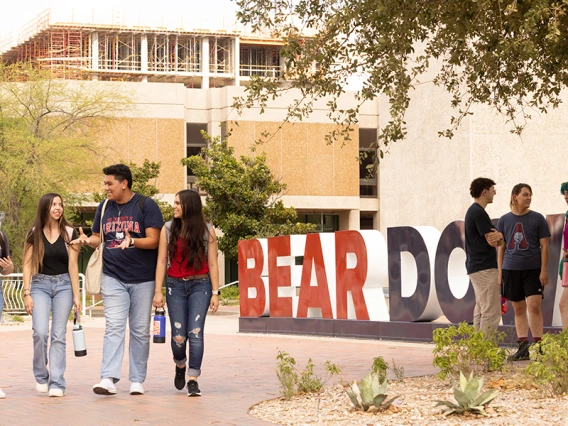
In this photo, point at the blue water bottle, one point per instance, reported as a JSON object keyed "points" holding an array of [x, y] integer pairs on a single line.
{"points": [[160, 326]]}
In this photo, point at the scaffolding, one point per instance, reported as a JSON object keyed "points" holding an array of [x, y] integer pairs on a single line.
{"points": [[220, 55], [259, 60], [140, 53], [119, 51]]}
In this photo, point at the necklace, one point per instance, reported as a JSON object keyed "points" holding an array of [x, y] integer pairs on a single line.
{"points": [[120, 207]]}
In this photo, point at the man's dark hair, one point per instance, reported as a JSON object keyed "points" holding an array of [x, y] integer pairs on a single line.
{"points": [[479, 185], [120, 172]]}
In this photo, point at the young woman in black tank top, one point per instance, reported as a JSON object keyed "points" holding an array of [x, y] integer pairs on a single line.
{"points": [[51, 285]]}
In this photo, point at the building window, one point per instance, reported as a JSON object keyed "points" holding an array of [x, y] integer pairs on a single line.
{"points": [[324, 222], [194, 144], [366, 221], [367, 151]]}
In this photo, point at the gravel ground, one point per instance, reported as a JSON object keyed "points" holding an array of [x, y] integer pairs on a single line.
{"points": [[519, 402]]}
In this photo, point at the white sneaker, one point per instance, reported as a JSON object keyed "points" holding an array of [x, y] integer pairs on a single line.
{"points": [[136, 389], [56, 392], [2, 394], [105, 387], [41, 387]]}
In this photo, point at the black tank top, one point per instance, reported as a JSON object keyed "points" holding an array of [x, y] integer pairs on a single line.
{"points": [[55, 256]]}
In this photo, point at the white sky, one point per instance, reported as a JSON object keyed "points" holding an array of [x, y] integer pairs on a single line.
{"points": [[207, 14]]}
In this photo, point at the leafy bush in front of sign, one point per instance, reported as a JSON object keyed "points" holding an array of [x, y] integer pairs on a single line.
{"points": [[464, 349], [380, 368], [369, 392], [293, 381], [468, 396], [549, 362]]}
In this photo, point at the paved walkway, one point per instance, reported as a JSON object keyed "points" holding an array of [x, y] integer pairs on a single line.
{"points": [[238, 372]]}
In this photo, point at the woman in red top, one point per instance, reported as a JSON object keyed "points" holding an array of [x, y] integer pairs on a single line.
{"points": [[188, 249]]}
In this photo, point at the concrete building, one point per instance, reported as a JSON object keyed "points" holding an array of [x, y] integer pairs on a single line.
{"points": [[184, 81]]}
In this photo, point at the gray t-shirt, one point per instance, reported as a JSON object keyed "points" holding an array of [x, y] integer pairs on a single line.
{"points": [[522, 240]]}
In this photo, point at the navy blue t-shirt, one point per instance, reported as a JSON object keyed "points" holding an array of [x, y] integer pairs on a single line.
{"points": [[131, 265], [522, 240]]}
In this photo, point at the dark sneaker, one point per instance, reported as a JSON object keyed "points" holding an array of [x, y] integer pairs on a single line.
{"points": [[179, 380], [193, 388], [522, 353]]}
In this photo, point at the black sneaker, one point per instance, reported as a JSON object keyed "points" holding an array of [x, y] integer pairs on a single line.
{"points": [[193, 388], [522, 353], [179, 380]]}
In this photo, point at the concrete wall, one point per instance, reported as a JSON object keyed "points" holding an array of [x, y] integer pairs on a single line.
{"points": [[424, 180]]}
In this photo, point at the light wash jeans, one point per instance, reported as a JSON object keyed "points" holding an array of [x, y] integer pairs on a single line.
{"points": [[188, 302], [122, 302], [50, 293]]}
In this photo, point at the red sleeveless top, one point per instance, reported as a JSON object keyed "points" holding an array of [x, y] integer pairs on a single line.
{"points": [[179, 267]]}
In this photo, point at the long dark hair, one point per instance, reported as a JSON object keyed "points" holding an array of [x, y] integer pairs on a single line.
{"points": [[35, 236], [190, 228], [3, 245]]}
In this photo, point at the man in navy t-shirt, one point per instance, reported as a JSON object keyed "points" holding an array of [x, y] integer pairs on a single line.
{"points": [[481, 238], [131, 227]]}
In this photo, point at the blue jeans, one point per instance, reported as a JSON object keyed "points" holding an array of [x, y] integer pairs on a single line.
{"points": [[50, 293], [188, 302], [122, 302]]}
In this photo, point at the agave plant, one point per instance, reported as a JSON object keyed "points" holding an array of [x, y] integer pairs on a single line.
{"points": [[369, 392], [468, 397]]}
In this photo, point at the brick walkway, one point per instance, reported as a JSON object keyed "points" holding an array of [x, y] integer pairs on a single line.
{"points": [[238, 371]]}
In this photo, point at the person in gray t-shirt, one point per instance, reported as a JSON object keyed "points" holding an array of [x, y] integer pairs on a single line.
{"points": [[522, 263]]}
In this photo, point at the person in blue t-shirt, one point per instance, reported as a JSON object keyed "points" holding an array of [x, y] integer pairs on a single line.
{"points": [[131, 227], [522, 263]]}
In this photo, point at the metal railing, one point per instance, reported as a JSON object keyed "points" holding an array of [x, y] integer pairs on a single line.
{"points": [[13, 290]]}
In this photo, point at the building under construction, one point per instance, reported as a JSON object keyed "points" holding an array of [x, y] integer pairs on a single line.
{"points": [[116, 52]]}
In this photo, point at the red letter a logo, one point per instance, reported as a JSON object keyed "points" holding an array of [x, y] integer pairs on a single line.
{"points": [[518, 239]]}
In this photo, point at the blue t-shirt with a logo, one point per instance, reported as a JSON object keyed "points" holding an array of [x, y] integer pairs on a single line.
{"points": [[131, 265], [522, 236]]}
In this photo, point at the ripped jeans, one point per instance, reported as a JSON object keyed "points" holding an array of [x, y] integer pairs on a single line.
{"points": [[188, 302]]}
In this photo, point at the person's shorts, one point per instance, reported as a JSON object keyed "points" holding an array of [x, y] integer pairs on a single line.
{"points": [[518, 285]]}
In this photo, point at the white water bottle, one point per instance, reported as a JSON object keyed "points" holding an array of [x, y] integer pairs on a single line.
{"points": [[79, 337]]}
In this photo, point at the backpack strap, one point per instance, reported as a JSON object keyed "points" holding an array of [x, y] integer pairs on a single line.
{"points": [[141, 202], [168, 226]]}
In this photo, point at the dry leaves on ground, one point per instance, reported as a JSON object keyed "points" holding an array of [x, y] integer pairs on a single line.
{"points": [[519, 402]]}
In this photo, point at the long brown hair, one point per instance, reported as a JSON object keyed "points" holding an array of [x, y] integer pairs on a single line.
{"points": [[516, 191], [3, 246], [35, 236], [191, 228]]}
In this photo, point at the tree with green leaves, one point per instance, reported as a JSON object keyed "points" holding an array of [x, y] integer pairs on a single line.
{"points": [[48, 130], [243, 197], [509, 54]]}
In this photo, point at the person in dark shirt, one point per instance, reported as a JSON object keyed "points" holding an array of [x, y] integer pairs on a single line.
{"points": [[481, 258], [131, 230], [523, 262], [51, 285]]}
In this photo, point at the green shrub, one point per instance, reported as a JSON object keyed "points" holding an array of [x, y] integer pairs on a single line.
{"points": [[380, 367], [549, 363], [293, 381], [228, 294], [464, 349]]}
